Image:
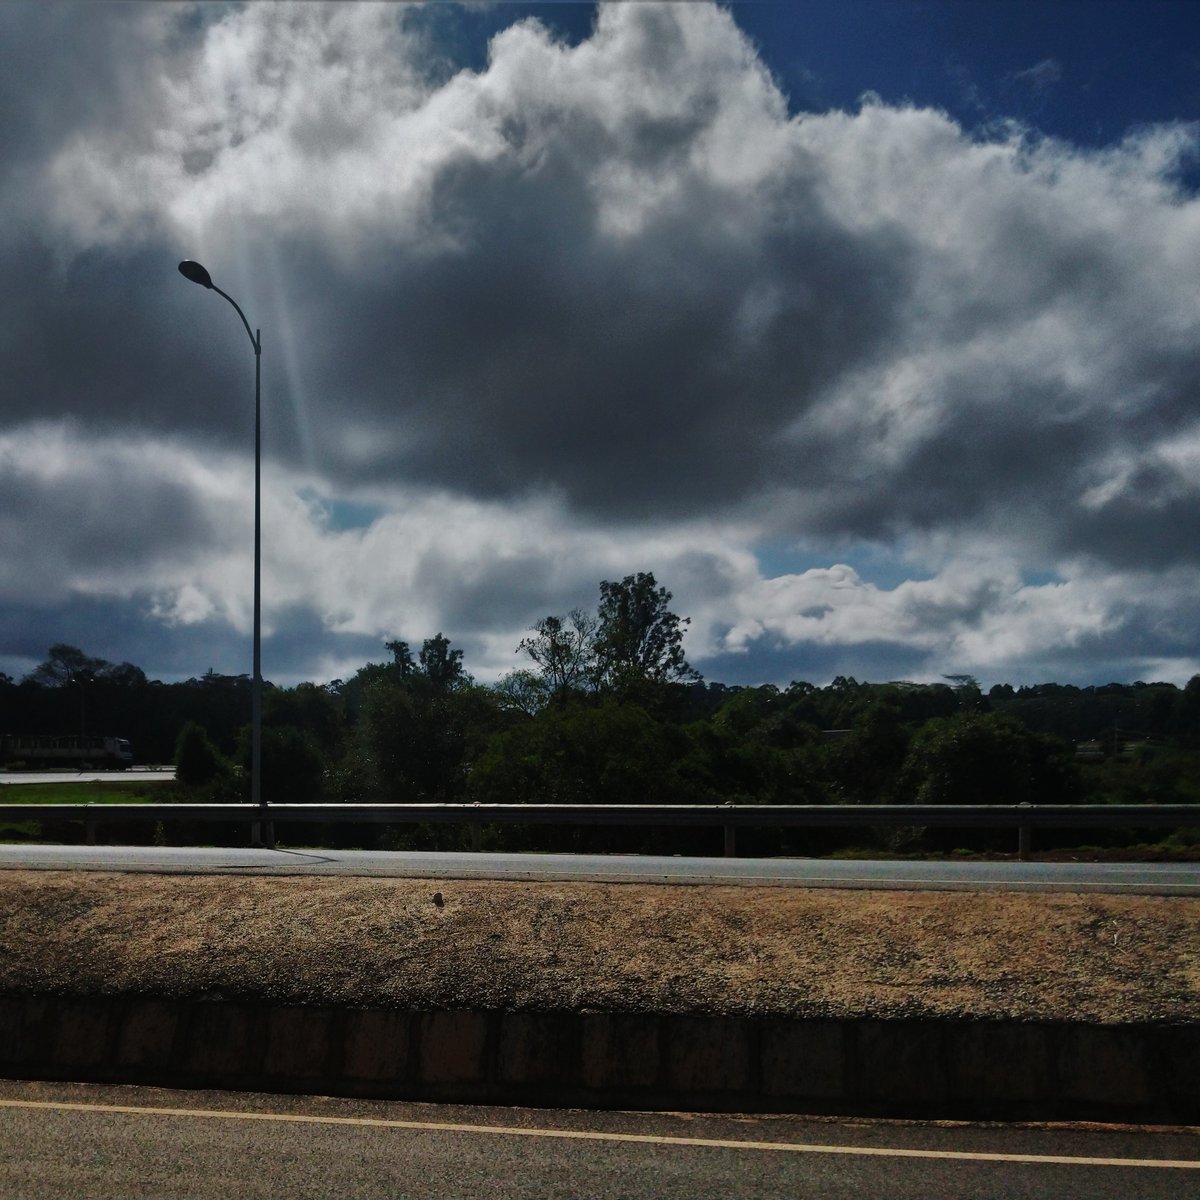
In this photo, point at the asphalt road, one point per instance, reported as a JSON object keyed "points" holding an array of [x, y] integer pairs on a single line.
{"points": [[75, 1140], [1128, 878], [133, 775]]}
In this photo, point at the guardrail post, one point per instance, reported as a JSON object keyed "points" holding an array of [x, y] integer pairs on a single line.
{"points": [[476, 837], [89, 831], [1024, 839], [730, 841], [262, 834]]}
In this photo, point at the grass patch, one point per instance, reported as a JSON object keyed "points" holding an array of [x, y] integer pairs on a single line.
{"points": [[20, 831], [70, 832], [86, 793]]}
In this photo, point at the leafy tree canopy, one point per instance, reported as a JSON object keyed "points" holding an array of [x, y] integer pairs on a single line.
{"points": [[441, 665], [65, 665], [639, 639], [437, 666], [563, 648], [197, 760]]}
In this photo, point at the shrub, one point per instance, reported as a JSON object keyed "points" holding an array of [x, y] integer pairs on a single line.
{"points": [[198, 763]]}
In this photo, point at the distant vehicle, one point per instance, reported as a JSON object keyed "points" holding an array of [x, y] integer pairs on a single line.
{"points": [[65, 750]]}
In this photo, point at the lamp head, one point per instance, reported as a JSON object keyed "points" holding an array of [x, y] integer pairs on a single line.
{"points": [[195, 272]]}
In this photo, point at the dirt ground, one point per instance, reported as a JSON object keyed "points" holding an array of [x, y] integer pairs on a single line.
{"points": [[603, 947]]}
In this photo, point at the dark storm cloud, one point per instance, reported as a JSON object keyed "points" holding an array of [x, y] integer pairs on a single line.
{"points": [[987, 454], [629, 379], [115, 630], [116, 338], [300, 634], [102, 521], [76, 508], [1148, 527], [495, 593]]}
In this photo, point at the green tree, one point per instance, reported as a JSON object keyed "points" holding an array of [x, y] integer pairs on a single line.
{"points": [[441, 666], [402, 659], [583, 753], [124, 675], [437, 665], [198, 763], [419, 744], [987, 758], [639, 639], [420, 724], [862, 765], [723, 767], [563, 649], [308, 707], [293, 766], [523, 692], [65, 665]]}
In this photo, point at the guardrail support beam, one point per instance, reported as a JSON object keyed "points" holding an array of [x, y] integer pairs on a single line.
{"points": [[261, 821]]}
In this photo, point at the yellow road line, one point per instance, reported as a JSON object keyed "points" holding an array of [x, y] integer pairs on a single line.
{"points": [[589, 1135]]}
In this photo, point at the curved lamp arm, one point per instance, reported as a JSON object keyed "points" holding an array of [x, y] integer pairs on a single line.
{"points": [[198, 274]]}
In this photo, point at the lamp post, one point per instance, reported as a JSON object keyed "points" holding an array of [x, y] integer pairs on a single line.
{"points": [[197, 274]]}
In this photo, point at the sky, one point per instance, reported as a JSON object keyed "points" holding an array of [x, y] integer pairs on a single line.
{"points": [[871, 328]]}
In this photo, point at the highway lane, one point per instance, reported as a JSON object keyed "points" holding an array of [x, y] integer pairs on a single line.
{"points": [[1128, 878], [74, 1140], [132, 775]]}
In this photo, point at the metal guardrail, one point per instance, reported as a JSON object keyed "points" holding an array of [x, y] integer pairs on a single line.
{"points": [[729, 817]]}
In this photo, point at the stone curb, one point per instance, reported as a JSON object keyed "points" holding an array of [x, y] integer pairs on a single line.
{"points": [[976, 1069]]}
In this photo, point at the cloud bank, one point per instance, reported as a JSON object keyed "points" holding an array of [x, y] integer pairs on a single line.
{"points": [[589, 309]]}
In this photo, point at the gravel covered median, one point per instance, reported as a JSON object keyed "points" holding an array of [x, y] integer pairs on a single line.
{"points": [[547, 947]]}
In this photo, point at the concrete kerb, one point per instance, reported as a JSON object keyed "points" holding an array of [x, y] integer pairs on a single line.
{"points": [[982, 1069]]}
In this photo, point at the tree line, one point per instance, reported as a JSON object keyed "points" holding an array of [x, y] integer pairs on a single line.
{"points": [[605, 708]]}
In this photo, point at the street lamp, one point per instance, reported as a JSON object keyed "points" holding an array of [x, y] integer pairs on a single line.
{"points": [[197, 274]]}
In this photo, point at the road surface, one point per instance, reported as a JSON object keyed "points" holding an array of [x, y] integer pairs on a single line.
{"points": [[1179, 879], [132, 775], [74, 1140]]}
